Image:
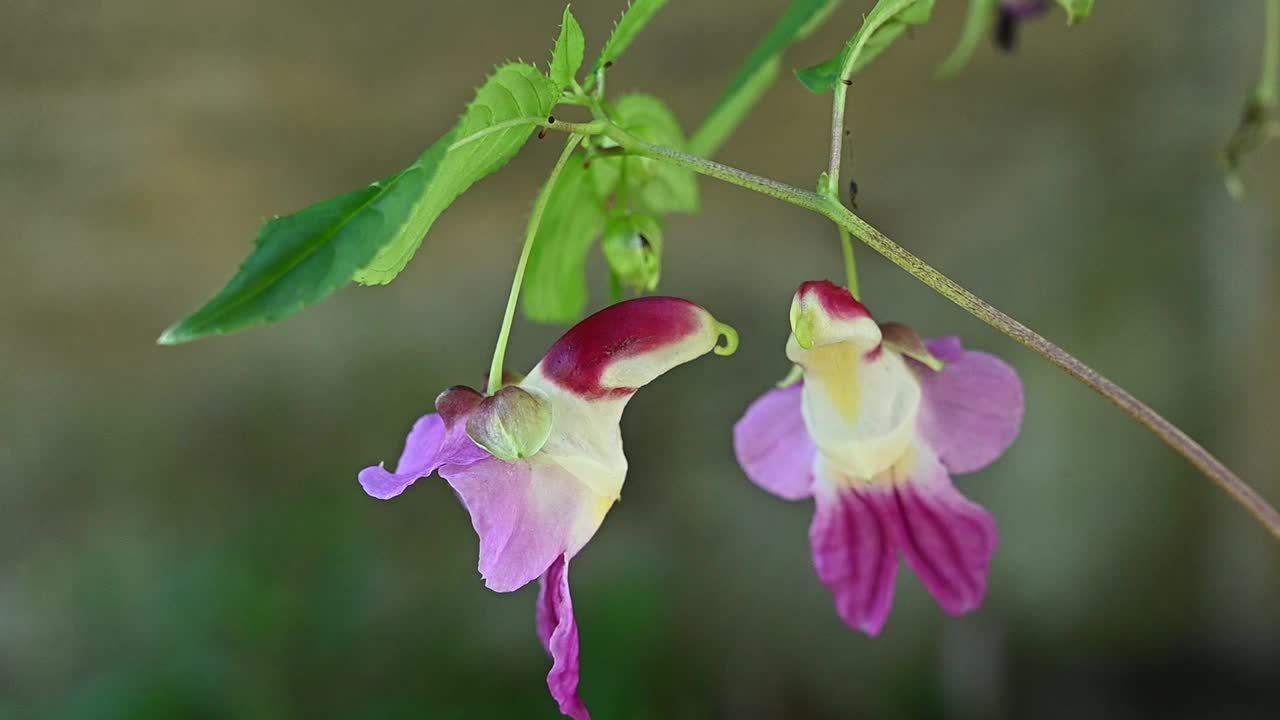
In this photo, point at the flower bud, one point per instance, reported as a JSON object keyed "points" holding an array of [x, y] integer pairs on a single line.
{"points": [[633, 248], [513, 424]]}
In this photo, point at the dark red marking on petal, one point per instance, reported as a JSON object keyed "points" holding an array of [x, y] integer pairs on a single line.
{"points": [[836, 301], [579, 359], [456, 403]]}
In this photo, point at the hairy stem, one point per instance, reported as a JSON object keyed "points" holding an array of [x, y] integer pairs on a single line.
{"points": [[1170, 434], [535, 219]]}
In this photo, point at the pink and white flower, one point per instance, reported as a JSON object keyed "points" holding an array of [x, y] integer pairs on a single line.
{"points": [[873, 434], [540, 463]]}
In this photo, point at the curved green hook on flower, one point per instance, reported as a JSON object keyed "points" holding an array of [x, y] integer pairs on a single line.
{"points": [[730, 336]]}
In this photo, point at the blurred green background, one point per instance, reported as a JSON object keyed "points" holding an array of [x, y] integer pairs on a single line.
{"points": [[181, 531]]}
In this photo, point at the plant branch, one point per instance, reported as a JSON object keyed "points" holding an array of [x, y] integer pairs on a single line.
{"points": [[1170, 434], [1270, 77], [535, 219]]}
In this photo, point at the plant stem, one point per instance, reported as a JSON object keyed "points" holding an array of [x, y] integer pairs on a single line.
{"points": [[850, 263], [504, 334], [1270, 77], [1175, 438]]}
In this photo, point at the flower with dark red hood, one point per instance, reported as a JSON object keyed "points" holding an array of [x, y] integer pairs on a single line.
{"points": [[873, 434], [539, 463]]}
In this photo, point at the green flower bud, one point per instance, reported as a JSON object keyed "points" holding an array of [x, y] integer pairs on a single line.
{"points": [[513, 424], [633, 248]]}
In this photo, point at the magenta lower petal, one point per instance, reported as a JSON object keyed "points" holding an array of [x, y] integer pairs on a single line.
{"points": [[972, 408], [558, 631], [947, 539], [853, 552], [527, 514], [773, 445]]}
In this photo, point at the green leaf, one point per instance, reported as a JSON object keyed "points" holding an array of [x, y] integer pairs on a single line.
{"points": [[570, 48], [886, 22], [494, 128], [977, 23], [555, 280], [634, 19], [651, 186], [801, 18], [301, 258], [1077, 10]]}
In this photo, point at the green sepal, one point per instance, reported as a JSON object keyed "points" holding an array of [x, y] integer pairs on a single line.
{"points": [[886, 22], [512, 424]]}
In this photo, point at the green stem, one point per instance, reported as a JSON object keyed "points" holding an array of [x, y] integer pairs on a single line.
{"points": [[850, 263], [504, 334], [1270, 78], [1175, 438]]}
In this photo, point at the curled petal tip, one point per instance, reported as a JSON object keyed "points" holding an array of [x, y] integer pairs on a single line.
{"points": [[730, 336]]}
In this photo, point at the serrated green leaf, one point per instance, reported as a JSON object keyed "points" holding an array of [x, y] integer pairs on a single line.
{"points": [[886, 22], [555, 279], [570, 48], [977, 23], [634, 19], [654, 187], [301, 258], [801, 18], [1077, 10], [486, 138]]}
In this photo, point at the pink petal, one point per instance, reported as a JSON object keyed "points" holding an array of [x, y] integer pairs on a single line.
{"points": [[435, 440], [558, 631], [947, 540], [527, 514], [773, 445], [972, 408], [853, 552]]}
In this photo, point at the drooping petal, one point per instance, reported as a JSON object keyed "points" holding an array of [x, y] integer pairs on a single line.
{"points": [[947, 539], [972, 408], [526, 514], [853, 550], [435, 440], [558, 631], [420, 450], [773, 446]]}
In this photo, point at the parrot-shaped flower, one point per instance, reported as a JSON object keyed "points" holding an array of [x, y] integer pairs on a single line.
{"points": [[873, 434], [539, 463]]}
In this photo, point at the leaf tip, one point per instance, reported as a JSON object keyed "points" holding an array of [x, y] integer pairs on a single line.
{"points": [[176, 334]]}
